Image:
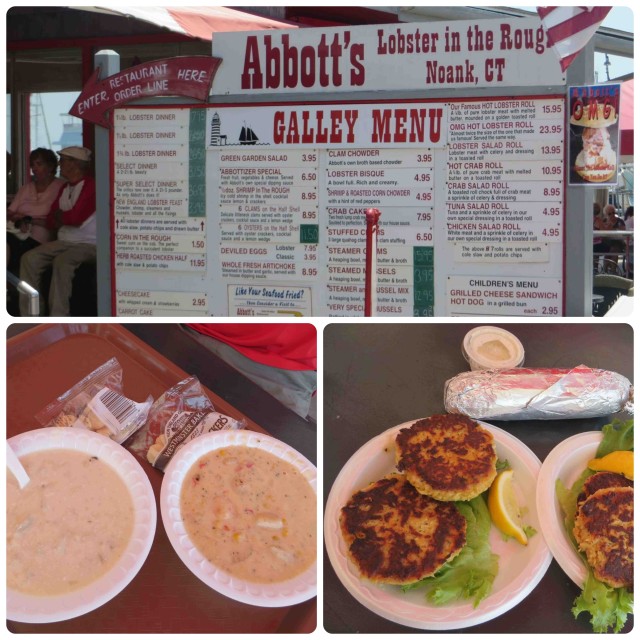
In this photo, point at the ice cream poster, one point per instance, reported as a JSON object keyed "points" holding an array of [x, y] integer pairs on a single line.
{"points": [[594, 134]]}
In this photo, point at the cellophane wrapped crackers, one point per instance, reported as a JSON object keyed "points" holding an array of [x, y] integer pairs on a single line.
{"points": [[179, 415], [538, 394], [96, 403]]}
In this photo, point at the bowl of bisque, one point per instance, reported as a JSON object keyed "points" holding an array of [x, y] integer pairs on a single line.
{"points": [[239, 508]]}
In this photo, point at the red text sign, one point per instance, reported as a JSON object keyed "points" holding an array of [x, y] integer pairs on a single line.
{"points": [[189, 76]]}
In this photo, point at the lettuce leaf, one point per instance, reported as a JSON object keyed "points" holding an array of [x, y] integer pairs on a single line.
{"points": [[616, 436], [471, 573], [568, 499], [608, 607]]}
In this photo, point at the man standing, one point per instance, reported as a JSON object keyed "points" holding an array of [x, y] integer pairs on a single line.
{"points": [[73, 215]]}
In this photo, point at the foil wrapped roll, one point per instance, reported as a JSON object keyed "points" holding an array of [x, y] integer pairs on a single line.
{"points": [[538, 394]]}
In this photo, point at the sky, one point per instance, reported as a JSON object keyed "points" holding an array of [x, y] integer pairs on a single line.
{"points": [[49, 131]]}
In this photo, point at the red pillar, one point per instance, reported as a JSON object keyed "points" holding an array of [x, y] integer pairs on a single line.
{"points": [[370, 260]]}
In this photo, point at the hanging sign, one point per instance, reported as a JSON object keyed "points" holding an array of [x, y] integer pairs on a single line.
{"points": [[421, 56], [187, 76]]}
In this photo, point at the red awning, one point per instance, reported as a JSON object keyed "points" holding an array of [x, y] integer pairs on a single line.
{"points": [[626, 119], [198, 22]]}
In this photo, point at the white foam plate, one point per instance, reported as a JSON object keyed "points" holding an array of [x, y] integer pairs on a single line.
{"points": [[27, 608], [565, 463], [298, 589], [521, 567]]}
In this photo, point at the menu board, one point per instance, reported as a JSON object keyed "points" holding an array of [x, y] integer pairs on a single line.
{"points": [[268, 214], [504, 177], [260, 210], [504, 295], [159, 220], [398, 182], [504, 207], [296, 213]]}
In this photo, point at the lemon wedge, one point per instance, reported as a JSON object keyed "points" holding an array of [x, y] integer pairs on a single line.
{"points": [[616, 461], [504, 508]]}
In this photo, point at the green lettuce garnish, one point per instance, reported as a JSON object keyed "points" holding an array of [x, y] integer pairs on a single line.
{"points": [[568, 499], [617, 436], [608, 607], [471, 573]]}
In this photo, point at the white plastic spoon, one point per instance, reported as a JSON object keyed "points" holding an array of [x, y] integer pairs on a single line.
{"points": [[15, 466]]}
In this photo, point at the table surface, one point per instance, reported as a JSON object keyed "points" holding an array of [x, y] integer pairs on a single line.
{"points": [[377, 376], [164, 596]]}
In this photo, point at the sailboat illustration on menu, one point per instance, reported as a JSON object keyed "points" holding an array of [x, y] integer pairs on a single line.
{"points": [[247, 136]]}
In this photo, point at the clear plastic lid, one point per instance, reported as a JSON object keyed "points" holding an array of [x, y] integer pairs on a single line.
{"points": [[492, 348]]}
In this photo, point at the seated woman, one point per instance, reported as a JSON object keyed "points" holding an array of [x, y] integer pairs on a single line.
{"points": [[27, 213], [73, 216]]}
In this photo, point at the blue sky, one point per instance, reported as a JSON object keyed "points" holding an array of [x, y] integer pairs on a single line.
{"points": [[618, 18]]}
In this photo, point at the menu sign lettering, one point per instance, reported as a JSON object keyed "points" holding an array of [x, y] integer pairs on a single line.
{"points": [[296, 213], [253, 300], [504, 296], [263, 207], [159, 216], [189, 76], [137, 302], [505, 169], [457, 54]]}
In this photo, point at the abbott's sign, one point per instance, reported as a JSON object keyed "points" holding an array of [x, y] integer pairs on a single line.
{"points": [[433, 55]]}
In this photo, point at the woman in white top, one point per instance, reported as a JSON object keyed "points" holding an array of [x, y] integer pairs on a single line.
{"points": [[27, 213]]}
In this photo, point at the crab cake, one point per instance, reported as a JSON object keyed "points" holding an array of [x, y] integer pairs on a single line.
{"points": [[604, 531], [396, 535], [602, 480], [447, 457]]}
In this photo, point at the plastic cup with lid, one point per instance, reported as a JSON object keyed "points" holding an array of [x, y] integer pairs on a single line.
{"points": [[492, 348]]}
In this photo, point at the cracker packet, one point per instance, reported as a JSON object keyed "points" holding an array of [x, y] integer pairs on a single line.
{"points": [[177, 417], [96, 403]]}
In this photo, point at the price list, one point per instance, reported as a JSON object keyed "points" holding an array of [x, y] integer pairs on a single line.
{"points": [[137, 302], [154, 228], [504, 179], [504, 295], [400, 183], [268, 212], [483, 179]]}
